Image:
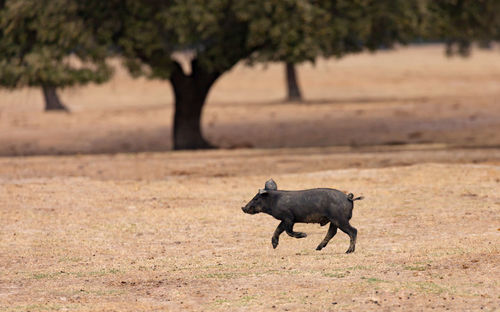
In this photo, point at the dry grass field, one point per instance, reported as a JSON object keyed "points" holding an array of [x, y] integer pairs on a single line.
{"points": [[101, 216]]}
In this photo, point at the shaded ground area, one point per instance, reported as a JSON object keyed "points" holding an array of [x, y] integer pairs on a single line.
{"points": [[237, 163], [413, 95], [147, 238]]}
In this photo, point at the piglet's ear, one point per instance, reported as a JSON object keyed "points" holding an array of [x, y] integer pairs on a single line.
{"points": [[271, 185], [261, 191]]}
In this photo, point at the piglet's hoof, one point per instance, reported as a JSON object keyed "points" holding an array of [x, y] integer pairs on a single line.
{"points": [[350, 250], [319, 247], [275, 243]]}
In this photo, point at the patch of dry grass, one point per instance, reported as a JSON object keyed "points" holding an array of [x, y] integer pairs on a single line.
{"points": [[428, 238]]}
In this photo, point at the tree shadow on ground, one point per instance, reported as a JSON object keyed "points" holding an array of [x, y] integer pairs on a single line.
{"points": [[247, 126], [333, 101]]}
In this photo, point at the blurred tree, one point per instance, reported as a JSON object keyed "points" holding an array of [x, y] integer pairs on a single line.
{"points": [[47, 44], [220, 33], [217, 34], [350, 26], [461, 22]]}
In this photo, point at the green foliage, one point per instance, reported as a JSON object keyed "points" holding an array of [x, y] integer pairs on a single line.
{"points": [[370, 24], [461, 22], [64, 42], [219, 33], [291, 31], [389, 22], [48, 43], [150, 32]]}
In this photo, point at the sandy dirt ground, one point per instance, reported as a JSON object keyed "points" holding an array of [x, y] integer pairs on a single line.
{"points": [[120, 223]]}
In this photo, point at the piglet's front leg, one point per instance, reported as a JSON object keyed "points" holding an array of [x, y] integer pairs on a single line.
{"points": [[289, 230], [276, 236]]}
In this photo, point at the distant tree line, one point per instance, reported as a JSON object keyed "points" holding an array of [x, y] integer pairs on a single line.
{"points": [[54, 44]]}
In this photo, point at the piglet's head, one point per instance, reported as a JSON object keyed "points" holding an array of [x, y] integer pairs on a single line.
{"points": [[258, 204]]}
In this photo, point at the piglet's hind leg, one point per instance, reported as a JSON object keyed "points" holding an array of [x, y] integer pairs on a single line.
{"points": [[332, 230]]}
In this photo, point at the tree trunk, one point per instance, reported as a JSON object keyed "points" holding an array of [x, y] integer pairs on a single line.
{"points": [[190, 95], [52, 101], [293, 88]]}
